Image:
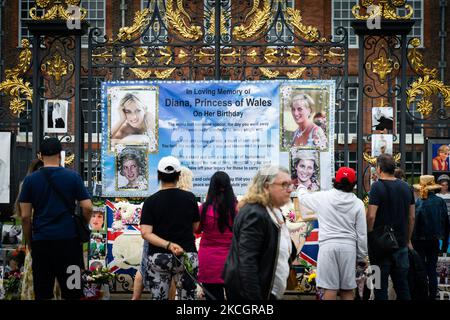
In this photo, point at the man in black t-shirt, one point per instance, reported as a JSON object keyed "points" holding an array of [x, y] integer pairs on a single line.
{"points": [[47, 203], [391, 202], [169, 219]]}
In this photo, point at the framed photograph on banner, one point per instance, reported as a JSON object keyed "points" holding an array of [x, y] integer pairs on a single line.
{"points": [[133, 116], [98, 220], [382, 143], [5, 166], [55, 116], [383, 119], [438, 151], [305, 169], [131, 167], [11, 235], [97, 264], [97, 246], [305, 116]]}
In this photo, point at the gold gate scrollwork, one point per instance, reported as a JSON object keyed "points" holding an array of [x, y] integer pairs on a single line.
{"points": [[14, 85], [386, 9], [54, 9], [426, 85]]}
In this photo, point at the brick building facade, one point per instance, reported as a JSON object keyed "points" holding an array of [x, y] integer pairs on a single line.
{"points": [[323, 14]]}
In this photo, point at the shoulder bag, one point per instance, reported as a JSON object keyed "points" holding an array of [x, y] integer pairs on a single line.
{"points": [[382, 241], [82, 228]]}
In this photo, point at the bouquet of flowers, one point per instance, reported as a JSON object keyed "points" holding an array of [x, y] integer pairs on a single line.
{"points": [[95, 281], [11, 285]]}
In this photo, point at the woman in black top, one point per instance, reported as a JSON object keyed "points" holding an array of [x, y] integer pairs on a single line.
{"points": [[169, 218]]}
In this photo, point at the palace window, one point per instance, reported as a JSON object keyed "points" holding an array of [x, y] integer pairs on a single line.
{"points": [[351, 122], [95, 16], [342, 17]]}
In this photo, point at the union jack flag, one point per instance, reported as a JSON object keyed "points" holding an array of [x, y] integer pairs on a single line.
{"points": [[310, 249], [113, 234]]}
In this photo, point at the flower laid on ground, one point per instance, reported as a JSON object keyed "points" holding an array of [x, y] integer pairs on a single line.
{"points": [[94, 281], [312, 276], [187, 263], [99, 276], [18, 255], [12, 285]]}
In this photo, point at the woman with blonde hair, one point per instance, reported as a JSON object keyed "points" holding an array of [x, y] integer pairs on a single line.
{"points": [[135, 124], [185, 180], [308, 133], [258, 264], [440, 162]]}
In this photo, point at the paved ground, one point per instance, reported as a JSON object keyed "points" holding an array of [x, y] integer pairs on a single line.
{"points": [[127, 296]]}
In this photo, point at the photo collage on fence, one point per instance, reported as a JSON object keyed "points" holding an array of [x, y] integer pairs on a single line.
{"points": [[131, 136], [438, 159], [382, 137], [98, 241], [12, 255], [124, 249], [438, 163], [306, 134], [383, 129], [443, 275], [56, 116], [116, 242]]}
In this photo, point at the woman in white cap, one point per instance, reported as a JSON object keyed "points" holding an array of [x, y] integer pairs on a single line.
{"points": [[169, 218]]}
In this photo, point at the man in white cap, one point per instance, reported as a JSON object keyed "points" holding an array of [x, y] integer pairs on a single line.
{"points": [[169, 219]]}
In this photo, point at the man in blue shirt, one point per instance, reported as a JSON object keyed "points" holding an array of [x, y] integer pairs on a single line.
{"points": [[48, 222], [431, 226]]}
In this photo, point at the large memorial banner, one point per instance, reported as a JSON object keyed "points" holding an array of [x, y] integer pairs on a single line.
{"points": [[230, 126]]}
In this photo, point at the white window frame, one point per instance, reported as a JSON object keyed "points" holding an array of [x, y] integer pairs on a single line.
{"points": [[150, 30], [32, 4], [95, 95], [21, 20], [343, 122], [85, 45], [421, 20], [285, 31], [353, 162], [333, 26]]}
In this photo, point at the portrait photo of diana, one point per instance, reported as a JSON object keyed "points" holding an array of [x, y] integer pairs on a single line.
{"points": [[305, 169], [55, 116], [131, 167], [133, 116], [304, 118]]}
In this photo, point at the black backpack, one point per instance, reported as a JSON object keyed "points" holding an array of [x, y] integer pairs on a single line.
{"points": [[417, 277]]}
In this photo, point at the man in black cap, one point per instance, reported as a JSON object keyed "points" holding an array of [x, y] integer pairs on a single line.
{"points": [[47, 202]]}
